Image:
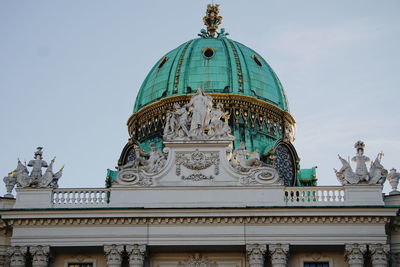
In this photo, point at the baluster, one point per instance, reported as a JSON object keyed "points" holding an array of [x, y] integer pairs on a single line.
{"points": [[315, 196], [84, 198], [74, 197], [96, 197], [54, 197], [90, 197], [79, 197]]}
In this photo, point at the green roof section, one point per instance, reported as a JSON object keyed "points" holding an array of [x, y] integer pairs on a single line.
{"points": [[230, 67], [307, 177]]}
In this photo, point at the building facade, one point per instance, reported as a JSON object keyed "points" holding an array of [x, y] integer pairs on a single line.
{"points": [[208, 178]]}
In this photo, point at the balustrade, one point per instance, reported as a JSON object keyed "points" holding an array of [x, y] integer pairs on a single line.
{"points": [[80, 196], [321, 195]]}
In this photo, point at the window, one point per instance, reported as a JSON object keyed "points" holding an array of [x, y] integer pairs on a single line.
{"points": [[80, 264], [208, 52], [257, 60], [316, 264], [162, 62]]}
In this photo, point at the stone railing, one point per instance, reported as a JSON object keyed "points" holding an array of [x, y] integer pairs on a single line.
{"points": [[207, 197], [72, 197], [318, 196]]}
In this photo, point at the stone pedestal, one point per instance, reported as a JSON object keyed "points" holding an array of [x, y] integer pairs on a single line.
{"points": [[355, 254], [256, 254], [113, 255], [379, 255], [40, 256], [136, 254], [34, 198], [17, 256], [279, 255]]}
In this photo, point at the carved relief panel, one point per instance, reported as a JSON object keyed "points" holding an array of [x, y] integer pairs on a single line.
{"points": [[198, 165]]}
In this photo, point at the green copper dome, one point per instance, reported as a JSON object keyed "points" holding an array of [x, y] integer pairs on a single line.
{"points": [[219, 65], [236, 77]]}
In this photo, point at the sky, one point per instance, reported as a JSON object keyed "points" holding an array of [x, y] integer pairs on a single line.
{"points": [[70, 72]]}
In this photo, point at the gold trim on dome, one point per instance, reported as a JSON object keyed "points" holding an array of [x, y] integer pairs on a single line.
{"points": [[178, 68], [152, 116], [238, 66]]}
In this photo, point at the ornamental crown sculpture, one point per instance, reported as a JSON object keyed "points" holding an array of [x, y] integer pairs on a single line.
{"points": [[21, 177], [375, 175]]}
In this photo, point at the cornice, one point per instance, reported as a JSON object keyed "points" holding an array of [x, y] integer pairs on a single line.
{"points": [[199, 220]]}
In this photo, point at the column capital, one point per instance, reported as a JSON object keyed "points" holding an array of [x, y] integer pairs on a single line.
{"points": [[279, 254], [136, 254], [114, 255], [256, 248], [17, 256], [40, 255], [256, 254], [379, 254], [354, 254]]}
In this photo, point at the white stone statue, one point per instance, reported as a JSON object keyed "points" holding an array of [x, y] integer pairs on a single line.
{"points": [[361, 160], [21, 177], [200, 105], [37, 164], [140, 170], [218, 128], [176, 123], [138, 162], [376, 174], [156, 160], [244, 160], [394, 178], [197, 120]]}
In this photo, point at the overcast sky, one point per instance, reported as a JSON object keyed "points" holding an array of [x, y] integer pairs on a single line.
{"points": [[70, 72]]}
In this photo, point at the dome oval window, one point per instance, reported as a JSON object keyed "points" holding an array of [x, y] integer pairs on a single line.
{"points": [[162, 62], [208, 52], [257, 60]]}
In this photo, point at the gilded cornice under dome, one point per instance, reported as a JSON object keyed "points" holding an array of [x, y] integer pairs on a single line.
{"points": [[154, 114]]}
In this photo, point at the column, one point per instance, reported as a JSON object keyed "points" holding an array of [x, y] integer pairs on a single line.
{"points": [[3, 255], [395, 259], [379, 254], [256, 254], [279, 255], [354, 254], [113, 255], [40, 256], [17, 256], [136, 254]]}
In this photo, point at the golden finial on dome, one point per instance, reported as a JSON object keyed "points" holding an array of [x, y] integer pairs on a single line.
{"points": [[211, 19]]}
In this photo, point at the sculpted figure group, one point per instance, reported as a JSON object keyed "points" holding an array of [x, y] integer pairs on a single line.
{"points": [[243, 160], [21, 177], [150, 162], [197, 120], [142, 167], [375, 175]]}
